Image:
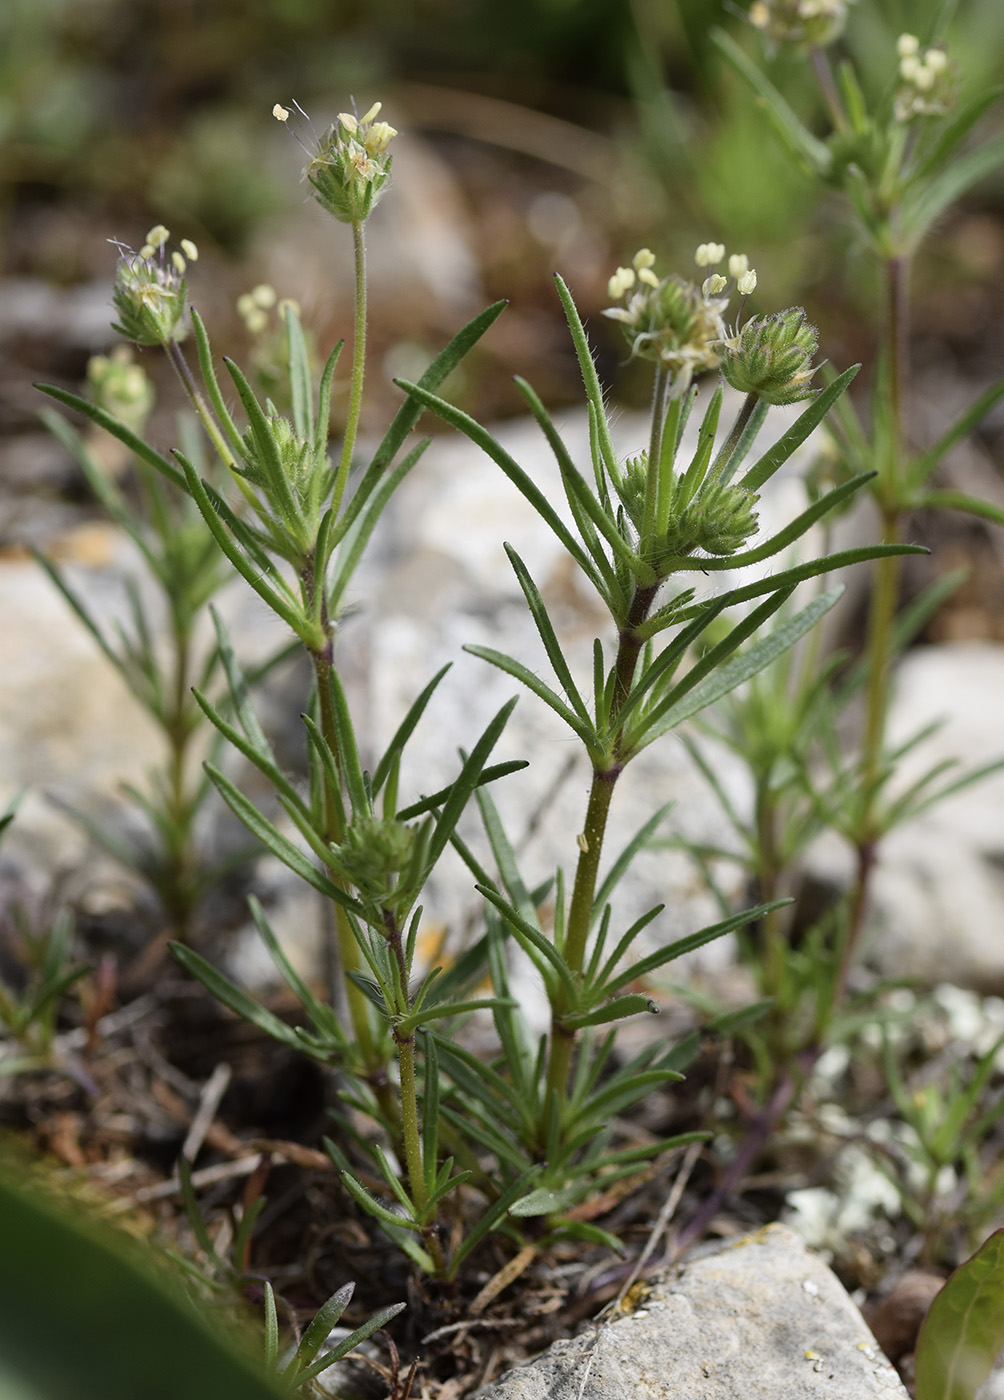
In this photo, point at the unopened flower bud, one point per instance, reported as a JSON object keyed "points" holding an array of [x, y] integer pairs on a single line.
{"points": [[771, 357], [907, 44], [747, 282]]}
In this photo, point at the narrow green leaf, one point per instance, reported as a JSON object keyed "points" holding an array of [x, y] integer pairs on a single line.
{"points": [[208, 372], [522, 673], [299, 376], [496, 1211], [118, 430], [278, 844], [442, 366], [811, 417], [490, 774], [798, 139], [370, 1203], [964, 1328], [958, 500], [324, 1019], [644, 966], [615, 1010], [267, 450], [468, 779], [235, 998], [405, 729], [967, 421], [355, 539], [523, 483], [246, 567], [349, 1343], [534, 943], [925, 202], [547, 635], [733, 673], [243, 745]]}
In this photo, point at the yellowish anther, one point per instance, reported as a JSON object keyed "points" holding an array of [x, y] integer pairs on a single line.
{"points": [[147, 250], [158, 236], [739, 264], [643, 258], [178, 263], [371, 115], [909, 67], [378, 137], [263, 295], [245, 305], [759, 14], [714, 284], [907, 44], [189, 249], [622, 281], [280, 112], [747, 282], [708, 254], [646, 275], [348, 121], [924, 78], [936, 60], [256, 320]]}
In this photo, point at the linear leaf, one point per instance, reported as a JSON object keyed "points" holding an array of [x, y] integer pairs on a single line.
{"points": [[803, 425], [119, 430]]}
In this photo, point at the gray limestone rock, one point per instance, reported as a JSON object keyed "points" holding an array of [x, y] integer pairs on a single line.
{"points": [[759, 1319]]}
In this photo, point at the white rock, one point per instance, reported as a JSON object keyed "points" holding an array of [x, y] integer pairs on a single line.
{"points": [[756, 1319]]}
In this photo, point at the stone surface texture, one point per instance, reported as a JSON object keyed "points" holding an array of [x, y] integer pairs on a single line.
{"points": [[758, 1319]]}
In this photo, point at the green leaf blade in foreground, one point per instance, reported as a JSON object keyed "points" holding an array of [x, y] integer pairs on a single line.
{"points": [[125, 1329], [964, 1328]]}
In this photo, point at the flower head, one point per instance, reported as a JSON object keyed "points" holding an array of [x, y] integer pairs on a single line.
{"points": [[926, 80], [121, 387], [349, 166], [804, 24], [674, 321], [149, 292]]}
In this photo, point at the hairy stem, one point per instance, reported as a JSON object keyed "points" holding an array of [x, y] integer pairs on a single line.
{"points": [[202, 409], [738, 428], [358, 367], [580, 913]]}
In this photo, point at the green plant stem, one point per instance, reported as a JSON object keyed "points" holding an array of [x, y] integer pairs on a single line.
{"points": [[738, 428], [646, 544], [180, 900], [411, 1134], [348, 950], [580, 912], [358, 367], [824, 76], [203, 410]]}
